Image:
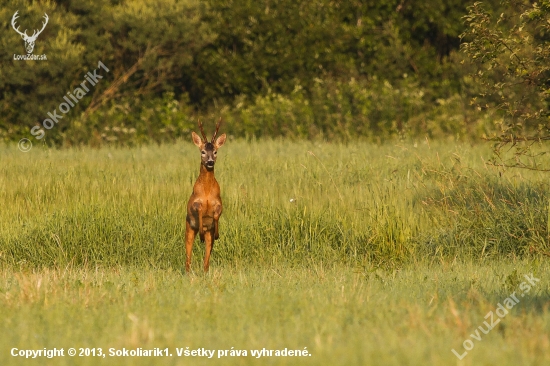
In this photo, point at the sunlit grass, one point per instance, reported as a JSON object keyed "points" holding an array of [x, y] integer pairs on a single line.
{"points": [[344, 316], [364, 254], [283, 201]]}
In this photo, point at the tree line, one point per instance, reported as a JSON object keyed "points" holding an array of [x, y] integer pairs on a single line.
{"points": [[297, 69]]}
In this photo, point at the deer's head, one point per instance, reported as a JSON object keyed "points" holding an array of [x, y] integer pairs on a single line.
{"points": [[29, 40], [209, 150]]}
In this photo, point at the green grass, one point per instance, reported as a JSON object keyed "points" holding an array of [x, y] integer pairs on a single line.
{"points": [[353, 204], [344, 316], [364, 254]]}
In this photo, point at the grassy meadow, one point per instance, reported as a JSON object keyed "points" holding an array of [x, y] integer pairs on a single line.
{"points": [[364, 254]]}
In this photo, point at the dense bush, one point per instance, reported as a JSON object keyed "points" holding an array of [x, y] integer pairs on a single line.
{"points": [[323, 68], [345, 110], [511, 52]]}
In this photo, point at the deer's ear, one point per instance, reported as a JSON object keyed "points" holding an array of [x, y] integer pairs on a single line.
{"points": [[196, 139], [220, 141]]}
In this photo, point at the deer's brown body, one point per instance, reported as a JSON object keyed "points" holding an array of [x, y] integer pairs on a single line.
{"points": [[204, 207]]}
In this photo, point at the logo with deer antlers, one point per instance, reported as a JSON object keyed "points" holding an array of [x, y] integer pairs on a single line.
{"points": [[29, 40]]}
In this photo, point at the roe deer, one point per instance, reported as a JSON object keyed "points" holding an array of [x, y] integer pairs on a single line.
{"points": [[205, 204]]}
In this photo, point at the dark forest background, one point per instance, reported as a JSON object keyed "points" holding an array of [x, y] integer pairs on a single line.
{"points": [[322, 69]]}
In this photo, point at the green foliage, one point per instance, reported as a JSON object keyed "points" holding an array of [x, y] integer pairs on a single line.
{"points": [[324, 68], [512, 54], [286, 43], [332, 109], [147, 46], [125, 122], [345, 110]]}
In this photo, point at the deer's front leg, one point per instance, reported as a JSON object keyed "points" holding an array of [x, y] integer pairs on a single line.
{"points": [[217, 214], [199, 207], [209, 241], [189, 238]]}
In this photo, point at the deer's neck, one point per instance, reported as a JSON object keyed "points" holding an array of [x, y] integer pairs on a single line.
{"points": [[206, 176]]}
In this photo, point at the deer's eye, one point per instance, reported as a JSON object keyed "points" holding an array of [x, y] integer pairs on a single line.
{"points": [[203, 152], [215, 152]]}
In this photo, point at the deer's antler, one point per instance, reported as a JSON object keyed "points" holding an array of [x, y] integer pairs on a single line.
{"points": [[202, 132], [15, 16], [217, 128]]}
